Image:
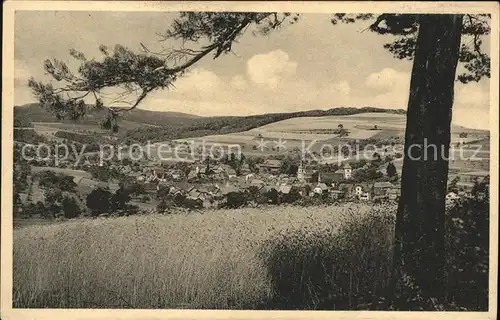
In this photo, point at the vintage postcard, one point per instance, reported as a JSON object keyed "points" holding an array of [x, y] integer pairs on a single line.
{"points": [[249, 160]]}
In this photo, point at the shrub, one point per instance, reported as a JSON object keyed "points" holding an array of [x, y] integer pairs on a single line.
{"points": [[182, 201], [179, 199], [310, 201], [127, 210], [162, 206], [467, 245], [30, 209], [105, 173], [51, 180], [119, 199], [28, 136], [70, 207], [340, 269], [272, 196], [291, 197], [98, 201], [162, 192], [192, 203], [350, 267], [235, 199]]}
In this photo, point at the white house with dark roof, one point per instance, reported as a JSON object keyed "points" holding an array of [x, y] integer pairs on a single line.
{"points": [[393, 193], [347, 171], [320, 188], [285, 189], [381, 188], [271, 165]]}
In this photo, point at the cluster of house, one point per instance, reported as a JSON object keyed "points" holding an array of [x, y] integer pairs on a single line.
{"points": [[223, 180], [211, 183]]}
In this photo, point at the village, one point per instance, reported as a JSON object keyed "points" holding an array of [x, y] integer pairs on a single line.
{"points": [[236, 180], [210, 182]]}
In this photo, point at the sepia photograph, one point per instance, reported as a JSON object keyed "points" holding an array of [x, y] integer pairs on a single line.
{"points": [[250, 157]]}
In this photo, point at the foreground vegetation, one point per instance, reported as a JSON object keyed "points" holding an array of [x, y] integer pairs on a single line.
{"points": [[280, 258]]}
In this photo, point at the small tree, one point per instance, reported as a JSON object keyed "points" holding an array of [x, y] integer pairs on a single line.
{"points": [[315, 176], [179, 199], [237, 163], [51, 180], [138, 189], [307, 189], [272, 196], [252, 164], [98, 201], [343, 133], [236, 199], [255, 195], [119, 199], [162, 206], [30, 209], [391, 170], [291, 197], [70, 207], [53, 198], [162, 192]]}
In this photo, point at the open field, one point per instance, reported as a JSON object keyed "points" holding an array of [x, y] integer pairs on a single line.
{"points": [[42, 127], [48, 129], [197, 261], [70, 172], [358, 125], [302, 131]]}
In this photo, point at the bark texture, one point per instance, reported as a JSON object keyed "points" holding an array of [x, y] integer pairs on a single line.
{"points": [[419, 250]]}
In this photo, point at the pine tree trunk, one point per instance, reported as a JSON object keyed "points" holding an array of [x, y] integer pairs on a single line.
{"points": [[419, 250]]}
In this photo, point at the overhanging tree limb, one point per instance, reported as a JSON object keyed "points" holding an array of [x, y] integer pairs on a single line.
{"points": [[150, 70], [147, 71]]}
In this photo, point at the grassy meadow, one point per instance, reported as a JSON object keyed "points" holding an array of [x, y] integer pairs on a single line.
{"points": [[233, 259]]}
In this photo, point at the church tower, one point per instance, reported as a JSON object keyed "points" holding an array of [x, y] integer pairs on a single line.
{"points": [[301, 173], [347, 171]]}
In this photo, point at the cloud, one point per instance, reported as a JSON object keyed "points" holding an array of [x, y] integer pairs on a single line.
{"points": [[471, 95], [471, 107], [342, 87], [271, 69], [388, 88], [199, 80], [239, 82], [387, 80], [471, 117], [392, 87]]}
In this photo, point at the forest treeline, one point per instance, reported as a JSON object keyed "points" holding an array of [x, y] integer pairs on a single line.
{"points": [[169, 126]]}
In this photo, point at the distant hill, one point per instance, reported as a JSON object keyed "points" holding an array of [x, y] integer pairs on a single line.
{"points": [[143, 125], [317, 133], [35, 113], [223, 125]]}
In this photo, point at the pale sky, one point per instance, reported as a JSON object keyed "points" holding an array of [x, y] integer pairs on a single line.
{"points": [[305, 66]]}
